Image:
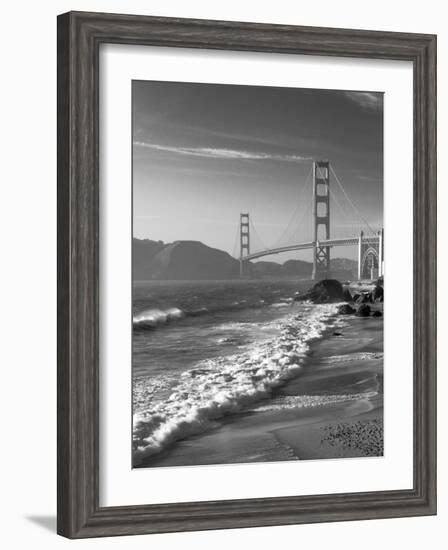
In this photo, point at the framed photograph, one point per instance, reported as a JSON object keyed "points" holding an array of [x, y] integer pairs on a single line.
{"points": [[246, 274]]}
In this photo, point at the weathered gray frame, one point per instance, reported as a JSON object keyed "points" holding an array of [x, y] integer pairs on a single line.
{"points": [[79, 38]]}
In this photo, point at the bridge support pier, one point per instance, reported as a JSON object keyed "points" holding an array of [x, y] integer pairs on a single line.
{"points": [[321, 201]]}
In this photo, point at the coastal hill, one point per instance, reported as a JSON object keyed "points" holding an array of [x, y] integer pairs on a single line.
{"points": [[193, 260]]}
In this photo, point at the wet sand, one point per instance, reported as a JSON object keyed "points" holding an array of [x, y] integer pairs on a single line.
{"points": [[332, 409]]}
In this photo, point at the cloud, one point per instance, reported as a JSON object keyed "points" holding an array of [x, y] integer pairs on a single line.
{"points": [[220, 153], [371, 101]]}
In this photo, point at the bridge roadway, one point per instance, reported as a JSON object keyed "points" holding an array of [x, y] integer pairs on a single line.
{"points": [[348, 241]]}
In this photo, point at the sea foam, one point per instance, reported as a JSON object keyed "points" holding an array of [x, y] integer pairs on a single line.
{"points": [[310, 401], [221, 386]]}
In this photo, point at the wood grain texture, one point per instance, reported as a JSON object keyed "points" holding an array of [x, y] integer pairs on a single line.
{"points": [[79, 38]]}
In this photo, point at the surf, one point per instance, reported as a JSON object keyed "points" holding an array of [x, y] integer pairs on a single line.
{"points": [[154, 317], [226, 385]]}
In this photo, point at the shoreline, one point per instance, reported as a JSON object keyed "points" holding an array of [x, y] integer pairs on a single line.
{"points": [[336, 409]]}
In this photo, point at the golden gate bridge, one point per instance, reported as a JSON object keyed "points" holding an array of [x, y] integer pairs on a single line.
{"points": [[324, 198]]}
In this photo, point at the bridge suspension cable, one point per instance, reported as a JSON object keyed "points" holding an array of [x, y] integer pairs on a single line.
{"points": [[361, 217], [301, 208], [257, 236], [353, 228]]}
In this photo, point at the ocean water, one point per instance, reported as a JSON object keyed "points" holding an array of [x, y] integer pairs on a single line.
{"points": [[205, 350]]}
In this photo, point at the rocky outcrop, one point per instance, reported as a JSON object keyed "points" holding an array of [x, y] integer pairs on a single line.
{"points": [[327, 290], [346, 309], [347, 294], [364, 298], [363, 311], [378, 293]]}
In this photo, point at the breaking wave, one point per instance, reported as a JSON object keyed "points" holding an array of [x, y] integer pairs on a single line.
{"points": [[153, 317], [225, 385]]}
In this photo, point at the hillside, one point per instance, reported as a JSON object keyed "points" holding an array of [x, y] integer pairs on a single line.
{"points": [[143, 252], [344, 269], [181, 260], [193, 260]]}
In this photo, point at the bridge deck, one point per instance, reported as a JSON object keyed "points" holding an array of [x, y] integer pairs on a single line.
{"points": [[348, 241]]}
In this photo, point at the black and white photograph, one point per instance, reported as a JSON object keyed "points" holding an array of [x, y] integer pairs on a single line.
{"points": [[258, 274], [223, 236]]}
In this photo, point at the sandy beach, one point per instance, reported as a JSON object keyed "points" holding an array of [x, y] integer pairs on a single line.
{"points": [[332, 409]]}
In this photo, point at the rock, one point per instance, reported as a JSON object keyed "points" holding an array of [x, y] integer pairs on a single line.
{"points": [[378, 293], [363, 310], [337, 333], [377, 313], [364, 298], [327, 290], [346, 309], [347, 295]]}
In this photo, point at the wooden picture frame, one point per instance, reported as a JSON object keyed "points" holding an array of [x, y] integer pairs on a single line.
{"points": [[79, 38]]}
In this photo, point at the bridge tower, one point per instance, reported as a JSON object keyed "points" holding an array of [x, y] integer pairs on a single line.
{"points": [[244, 244], [321, 210]]}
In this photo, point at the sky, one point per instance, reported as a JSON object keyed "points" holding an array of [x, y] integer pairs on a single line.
{"points": [[203, 153]]}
